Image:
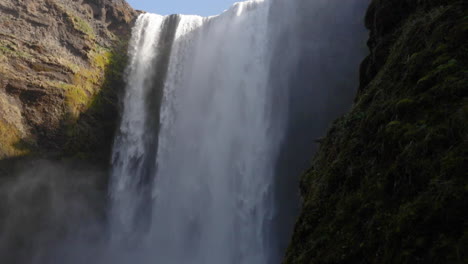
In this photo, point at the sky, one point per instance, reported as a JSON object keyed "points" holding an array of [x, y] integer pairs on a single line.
{"points": [[186, 7]]}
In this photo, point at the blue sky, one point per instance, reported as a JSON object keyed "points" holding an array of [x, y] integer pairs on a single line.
{"points": [[187, 7]]}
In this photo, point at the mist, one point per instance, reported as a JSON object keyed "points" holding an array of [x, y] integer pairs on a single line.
{"points": [[49, 207], [220, 117], [325, 43]]}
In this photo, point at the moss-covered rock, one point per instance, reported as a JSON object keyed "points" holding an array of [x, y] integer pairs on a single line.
{"points": [[390, 181], [61, 65], [90, 133]]}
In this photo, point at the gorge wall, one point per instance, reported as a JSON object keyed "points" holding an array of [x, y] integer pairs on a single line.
{"points": [[387, 185], [61, 68], [389, 182], [61, 64]]}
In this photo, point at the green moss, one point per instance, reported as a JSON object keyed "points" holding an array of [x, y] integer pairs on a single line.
{"points": [[90, 128], [405, 106], [450, 65], [11, 142], [5, 50], [76, 97], [389, 183], [86, 96], [101, 57], [442, 59], [77, 22], [10, 50], [87, 81]]}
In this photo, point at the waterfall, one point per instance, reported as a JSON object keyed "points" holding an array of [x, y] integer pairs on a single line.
{"points": [[207, 177], [205, 116]]}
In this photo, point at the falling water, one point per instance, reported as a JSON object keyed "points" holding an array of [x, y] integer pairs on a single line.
{"points": [[207, 177], [205, 113]]}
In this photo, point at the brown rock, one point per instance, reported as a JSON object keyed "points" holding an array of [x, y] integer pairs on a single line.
{"points": [[52, 54]]}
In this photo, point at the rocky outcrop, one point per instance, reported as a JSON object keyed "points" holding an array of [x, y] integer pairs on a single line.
{"points": [[389, 183], [61, 64], [61, 69]]}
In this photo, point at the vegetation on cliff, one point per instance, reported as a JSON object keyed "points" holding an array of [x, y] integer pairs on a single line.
{"points": [[61, 66], [389, 183], [61, 69]]}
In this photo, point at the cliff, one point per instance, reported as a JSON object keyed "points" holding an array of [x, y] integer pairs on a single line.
{"points": [[389, 183], [61, 70], [61, 65]]}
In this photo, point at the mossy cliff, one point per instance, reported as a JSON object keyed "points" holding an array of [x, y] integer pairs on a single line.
{"points": [[61, 70], [389, 183], [61, 65]]}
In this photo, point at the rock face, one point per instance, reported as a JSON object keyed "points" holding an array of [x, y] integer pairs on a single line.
{"points": [[389, 183], [61, 68], [61, 64]]}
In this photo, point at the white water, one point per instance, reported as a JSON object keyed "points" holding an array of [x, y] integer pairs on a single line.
{"points": [[211, 196], [219, 120], [130, 149], [205, 113]]}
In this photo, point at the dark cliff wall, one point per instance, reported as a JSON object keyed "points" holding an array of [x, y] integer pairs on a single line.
{"points": [[61, 64], [389, 182], [327, 38]]}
